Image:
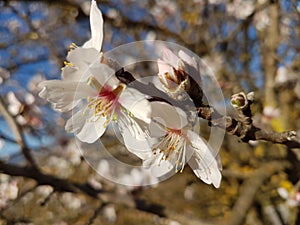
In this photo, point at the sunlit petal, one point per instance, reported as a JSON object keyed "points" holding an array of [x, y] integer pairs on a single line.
{"points": [[158, 167], [92, 130], [96, 23], [76, 122], [104, 75], [170, 57], [203, 162], [187, 59], [168, 115], [136, 103], [139, 147], [163, 68]]}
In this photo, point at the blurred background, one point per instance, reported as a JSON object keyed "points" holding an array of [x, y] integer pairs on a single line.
{"points": [[251, 45]]}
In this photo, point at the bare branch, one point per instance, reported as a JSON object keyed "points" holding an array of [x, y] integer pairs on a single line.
{"points": [[58, 184]]}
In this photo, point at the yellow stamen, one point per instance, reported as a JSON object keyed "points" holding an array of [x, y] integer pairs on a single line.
{"points": [[68, 63], [72, 46]]}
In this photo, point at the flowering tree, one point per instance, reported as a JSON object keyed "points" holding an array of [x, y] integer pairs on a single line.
{"points": [[163, 122]]}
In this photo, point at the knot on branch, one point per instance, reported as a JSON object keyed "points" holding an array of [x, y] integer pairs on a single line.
{"points": [[242, 103]]}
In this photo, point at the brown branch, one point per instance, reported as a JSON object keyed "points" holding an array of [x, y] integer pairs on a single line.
{"points": [[96, 213], [246, 132], [250, 188], [241, 127], [59, 185]]}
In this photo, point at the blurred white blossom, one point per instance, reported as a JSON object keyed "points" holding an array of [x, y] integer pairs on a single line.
{"points": [[109, 213], [71, 201], [240, 8], [291, 194], [8, 191], [23, 107], [261, 20]]}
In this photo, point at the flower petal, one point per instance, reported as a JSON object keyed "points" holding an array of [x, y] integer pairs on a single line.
{"points": [[203, 162], [58, 87], [156, 130], [64, 107], [170, 58], [104, 75], [64, 94], [92, 130], [158, 167], [83, 56], [140, 147], [170, 116], [135, 127], [136, 103], [76, 122], [96, 23], [187, 59], [80, 59], [163, 67]]}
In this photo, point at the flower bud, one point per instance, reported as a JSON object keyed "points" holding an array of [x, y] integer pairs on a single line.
{"points": [[172, 75], [239, 101]]}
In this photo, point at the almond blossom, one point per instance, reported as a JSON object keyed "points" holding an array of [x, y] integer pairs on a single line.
{"points": [[105, 99], [84, 77], [174, 72], [172, 144]]}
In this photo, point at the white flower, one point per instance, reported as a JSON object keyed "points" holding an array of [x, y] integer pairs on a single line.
{"points": [[171, 73], [80, 58], [85, 77], [106, 99], [173, 144], [174, 73], [240, 9]]}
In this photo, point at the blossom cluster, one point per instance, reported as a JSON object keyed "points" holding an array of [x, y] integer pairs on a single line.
{"points": [[159, 133]]}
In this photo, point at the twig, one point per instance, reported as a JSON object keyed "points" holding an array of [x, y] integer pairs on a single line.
{"points": [[96, 213], [47, 199], [238, 128]]}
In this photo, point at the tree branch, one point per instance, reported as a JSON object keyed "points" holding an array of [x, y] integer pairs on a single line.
{"points": [[59, 185], [254, 132], [241, 127]]}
